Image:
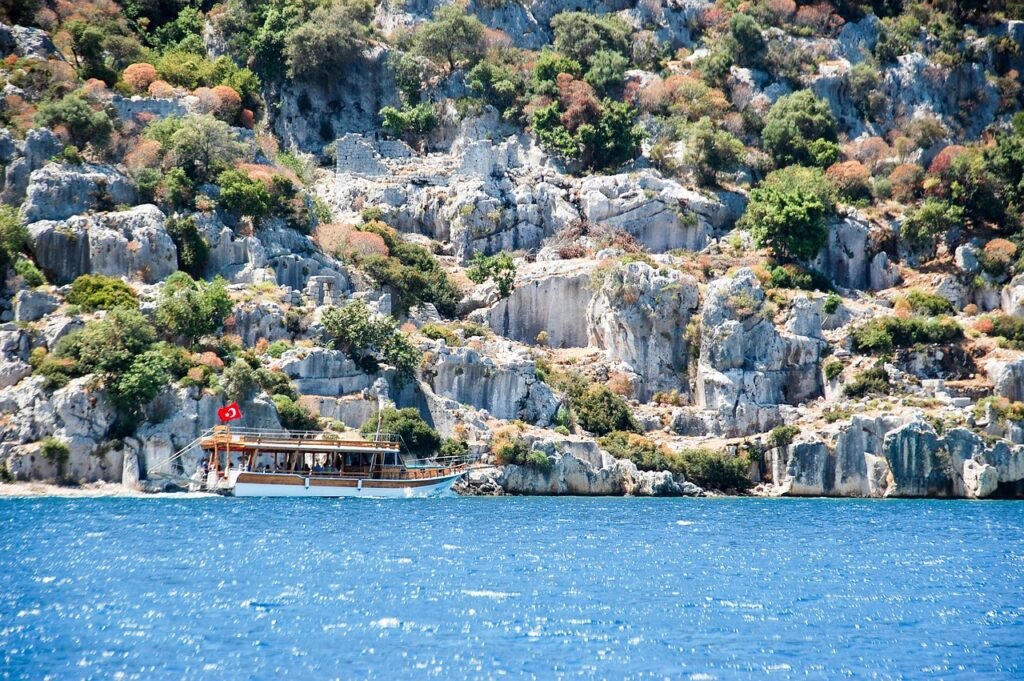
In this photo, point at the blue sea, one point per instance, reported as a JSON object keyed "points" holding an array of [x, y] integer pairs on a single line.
{"points": [[544, 588]]}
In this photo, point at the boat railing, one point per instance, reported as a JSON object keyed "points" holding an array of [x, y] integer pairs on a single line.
{"points": [[224, 434]]}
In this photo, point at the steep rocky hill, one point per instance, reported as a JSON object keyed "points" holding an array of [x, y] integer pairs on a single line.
{"points": [[644, 248]]}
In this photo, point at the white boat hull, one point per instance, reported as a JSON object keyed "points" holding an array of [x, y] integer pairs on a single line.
{"points": [[251, 485]]}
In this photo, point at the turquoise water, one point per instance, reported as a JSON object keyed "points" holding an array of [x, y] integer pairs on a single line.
{"points": [[515, 587]]}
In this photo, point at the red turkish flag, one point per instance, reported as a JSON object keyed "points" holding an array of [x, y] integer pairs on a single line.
{"points": [[230, 412]]}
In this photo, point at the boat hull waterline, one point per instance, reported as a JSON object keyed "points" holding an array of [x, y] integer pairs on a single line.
{"points": [[248, 484]]}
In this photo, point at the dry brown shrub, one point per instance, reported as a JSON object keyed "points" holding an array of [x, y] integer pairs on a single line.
{"points": [[145, 154], [139, 76], [211, 360], [161, 89], [906, 181]]}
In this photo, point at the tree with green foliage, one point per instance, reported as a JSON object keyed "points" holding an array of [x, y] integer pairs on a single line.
{"points": [[144, 379], [500, 268], [369, 338], [97, 292], [412, 272], [192, 309], [202, 145], [929, 221], [788, 212], [108, 345], [451, 36], [87, 48], [546, 69], [581, 35], [747, 39], [409, 121], [330, 40], [607, 139], [84, 122], [13, 235], [607, 71], [711, 150], [715, 470], [57, 453], [800, 128], [193, 249], [415, 435], [242, 195], [498, 84], [600, 411]]}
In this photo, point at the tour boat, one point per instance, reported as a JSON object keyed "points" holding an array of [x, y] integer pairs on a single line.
{"points": [[280, 463]]}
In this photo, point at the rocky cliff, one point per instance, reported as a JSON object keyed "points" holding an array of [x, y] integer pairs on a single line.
{"points": [[659, 246]]}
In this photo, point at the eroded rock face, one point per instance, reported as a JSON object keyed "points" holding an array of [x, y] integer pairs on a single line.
{"points": [[323, 372], [56, 192], [548, 298], [639, 316], [660, 213], [747, 367], [848, 260], [895, 457], [132, 244], [503, 382]]}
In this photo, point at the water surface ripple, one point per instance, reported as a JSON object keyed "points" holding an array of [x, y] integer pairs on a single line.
{"points": [[515, 587]]}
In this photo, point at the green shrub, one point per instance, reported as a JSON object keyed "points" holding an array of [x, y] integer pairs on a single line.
{"points": [[798, 277], [1010, 328], [30, 274], [928, 304], [711, 150], [538, 460], [512, 452], [607, 71], [56, 452], [500, 268], [788, 212], [330, 41], [600, 411], [97, 292], [640, 450], [715, 470], [409, 121], [369, 338], [293, 415], [278, 348], [832, 303], [932, 219], [453, 448], [56, 370], [546, 69], [193, 249], [242, 195], [411, 271], [192, 309], [452, 37], [782, 436], [84, 123], [142, 381], [833, 369], [747, 40], [13, 235], [417, 438], [201, 145], [883, 334], [608, 137], [276, 383], [581, 35], [108, 345], [440, 332], [498, 84], [800, 128], [871, 381]]}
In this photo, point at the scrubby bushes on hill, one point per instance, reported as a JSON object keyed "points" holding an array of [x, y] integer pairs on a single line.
{"points": [[600, 411], [788, 212], [881, 335], [370, 338], [192, 309], [800, 128], [97, 292], [416, 436]]}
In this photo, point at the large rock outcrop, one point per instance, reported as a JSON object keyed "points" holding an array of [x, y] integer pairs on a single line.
{"points": [[133, 244], [56, 192], [747, 366], [896, 457], [639, 316]]}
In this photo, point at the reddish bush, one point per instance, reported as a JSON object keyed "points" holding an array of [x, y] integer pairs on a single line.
{"points": [[944, 159], [211, 360], [161, 89], [984, 325], [906, 181], [139, 77], [230, 102], [851, 179], [247, 118], [579, 102], [145, 154], [819, 16], [779, 11]]}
